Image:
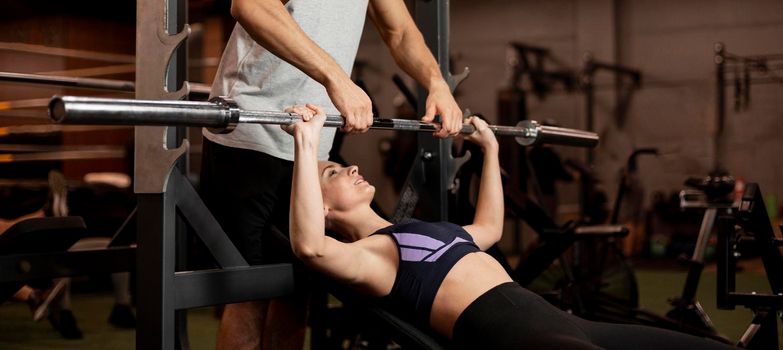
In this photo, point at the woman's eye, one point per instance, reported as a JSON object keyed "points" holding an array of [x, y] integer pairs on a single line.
{"points": [[332, 172]]}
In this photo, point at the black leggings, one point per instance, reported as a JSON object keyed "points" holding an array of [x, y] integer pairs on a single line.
{"points": [[511, 317]]}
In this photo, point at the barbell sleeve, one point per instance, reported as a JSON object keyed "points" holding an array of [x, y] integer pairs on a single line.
{"points": [[537, 133], [110, 111], [223, 115]]}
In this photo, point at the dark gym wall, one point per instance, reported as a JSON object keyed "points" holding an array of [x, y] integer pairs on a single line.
{"points": [[669, 41], [81, 26]]}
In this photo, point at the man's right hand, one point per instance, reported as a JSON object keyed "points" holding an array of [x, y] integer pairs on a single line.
{"points": [[352, 103]]}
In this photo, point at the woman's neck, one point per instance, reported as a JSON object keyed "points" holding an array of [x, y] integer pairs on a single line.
{"points": [[359, 223]]}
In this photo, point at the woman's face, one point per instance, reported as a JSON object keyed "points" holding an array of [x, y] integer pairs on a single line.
{"points": [[342, 187]]}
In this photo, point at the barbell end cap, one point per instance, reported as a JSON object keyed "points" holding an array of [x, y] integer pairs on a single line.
{"points": [[56, 109]]}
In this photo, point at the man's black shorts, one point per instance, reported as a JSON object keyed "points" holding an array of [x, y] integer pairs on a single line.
{"points": [[247, 191]]}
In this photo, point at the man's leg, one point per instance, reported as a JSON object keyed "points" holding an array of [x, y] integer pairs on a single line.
{"points": [[242, 325], [277, 324], [286, 323], [242, 189]]}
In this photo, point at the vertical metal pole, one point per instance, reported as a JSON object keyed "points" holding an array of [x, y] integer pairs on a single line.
{"points": [[176, 75], [720, 102], [160, 68], [585, 183], [726, 265], [589, 86], [155, 327], [432, 18]]}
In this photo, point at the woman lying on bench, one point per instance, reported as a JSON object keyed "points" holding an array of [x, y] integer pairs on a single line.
{"points": [[436, 274]]}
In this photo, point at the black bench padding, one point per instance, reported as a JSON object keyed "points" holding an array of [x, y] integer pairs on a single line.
{"points": [[39, 235], [42, 235]]}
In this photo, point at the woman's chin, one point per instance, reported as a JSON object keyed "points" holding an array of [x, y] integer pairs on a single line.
{"points": [[370, 190]]}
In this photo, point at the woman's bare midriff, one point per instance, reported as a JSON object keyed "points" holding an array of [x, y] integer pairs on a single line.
{"points": [[471, 276]]}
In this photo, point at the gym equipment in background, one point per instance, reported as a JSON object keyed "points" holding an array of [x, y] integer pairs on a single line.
{"points": [[749, 231]]}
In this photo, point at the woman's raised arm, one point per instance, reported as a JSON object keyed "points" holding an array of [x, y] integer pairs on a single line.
{"points": [[487, 227], [306, 218]]}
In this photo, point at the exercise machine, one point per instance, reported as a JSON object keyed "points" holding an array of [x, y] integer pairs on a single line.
{"points": [[749, 231]]}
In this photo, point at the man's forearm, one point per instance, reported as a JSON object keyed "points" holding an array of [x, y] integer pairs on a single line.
{"points": [[406, 43], [270, 25], [411, 53]]}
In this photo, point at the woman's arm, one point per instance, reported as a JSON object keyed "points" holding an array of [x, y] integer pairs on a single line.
{"points": [[410, 52], [306, 219], [306, 212], [487, 227]]}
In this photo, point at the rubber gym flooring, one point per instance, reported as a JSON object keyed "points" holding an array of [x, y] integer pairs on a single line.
{"points": [[18, 331]]}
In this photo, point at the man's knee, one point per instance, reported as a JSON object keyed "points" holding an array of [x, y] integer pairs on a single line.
{"points": [[247, 311]]}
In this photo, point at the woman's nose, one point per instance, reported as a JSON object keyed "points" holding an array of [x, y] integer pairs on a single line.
{"points": [[352, 170]]}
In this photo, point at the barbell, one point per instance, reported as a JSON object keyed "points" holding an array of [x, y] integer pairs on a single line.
{"points": [[223, 115]]}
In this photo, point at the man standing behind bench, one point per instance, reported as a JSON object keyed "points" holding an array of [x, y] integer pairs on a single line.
{"points": [[283, 54]]}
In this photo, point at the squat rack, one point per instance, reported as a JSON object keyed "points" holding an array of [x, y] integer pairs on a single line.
{"points": [[167, 202]]}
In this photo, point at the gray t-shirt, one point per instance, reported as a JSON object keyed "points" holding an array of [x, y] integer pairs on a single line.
{"points": [[258, 80]]}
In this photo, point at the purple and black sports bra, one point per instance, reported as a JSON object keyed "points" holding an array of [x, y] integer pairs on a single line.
{"points": [[428, 251]]}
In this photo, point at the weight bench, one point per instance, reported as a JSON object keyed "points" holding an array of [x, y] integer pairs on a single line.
{"points": [[37, 235], [404, 333], [37, 250], [553, 239]]}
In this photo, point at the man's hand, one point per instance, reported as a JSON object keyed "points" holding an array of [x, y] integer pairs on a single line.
{"points": [[352, 102], [441, 102], [409, 50], [309, 129]]}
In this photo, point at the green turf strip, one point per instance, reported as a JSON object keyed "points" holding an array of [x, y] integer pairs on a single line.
{"points": [[18, 331]]}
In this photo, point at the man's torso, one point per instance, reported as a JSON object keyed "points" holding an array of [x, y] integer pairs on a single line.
{"points": [[258, 80]]}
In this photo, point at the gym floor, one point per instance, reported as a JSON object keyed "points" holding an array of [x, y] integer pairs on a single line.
{"points": [[18, 331]]}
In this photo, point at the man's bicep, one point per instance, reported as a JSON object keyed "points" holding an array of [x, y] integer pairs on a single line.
{"points": [[389, 16]]}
